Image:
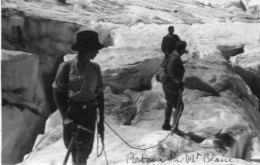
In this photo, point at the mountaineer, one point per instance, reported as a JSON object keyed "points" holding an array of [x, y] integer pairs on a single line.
{"points": [[169, 41], [173, 85], [78, 94]]}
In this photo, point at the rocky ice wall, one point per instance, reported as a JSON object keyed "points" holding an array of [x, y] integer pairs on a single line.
{"points": [[23, 99], [252, 6], [49, 40], [248, 67]]}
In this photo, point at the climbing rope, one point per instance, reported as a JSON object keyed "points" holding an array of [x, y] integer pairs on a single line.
{"points": [[179, 107], [137, 148], [103, 147]]}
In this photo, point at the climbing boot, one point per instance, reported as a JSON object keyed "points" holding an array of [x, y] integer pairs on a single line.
{"points": [[80, 163], [166, 126], [168, 111], [175, 128]]}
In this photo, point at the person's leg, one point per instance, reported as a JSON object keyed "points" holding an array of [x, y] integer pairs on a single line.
{"points": [[85, 146], [86, 139], [67, 136], [167, 117], [168, 110], [172, 94]]}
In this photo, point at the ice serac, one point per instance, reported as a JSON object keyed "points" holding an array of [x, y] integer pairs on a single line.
{"points": [[247, 65], [252, 6], [222, 3], [23, 99], [215, 93], [49, 39], [121, 71], [32, 30]]}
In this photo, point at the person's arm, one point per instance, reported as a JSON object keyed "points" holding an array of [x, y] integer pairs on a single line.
{"points": [[100, 93], [101, 102], [100, 97], [60, 100], [60, 88], [177, 38], [101, 106], [180, 70], [163, 45]]}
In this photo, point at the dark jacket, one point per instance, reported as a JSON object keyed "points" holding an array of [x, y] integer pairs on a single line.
{"points": [[169, 43], [174, 68]]}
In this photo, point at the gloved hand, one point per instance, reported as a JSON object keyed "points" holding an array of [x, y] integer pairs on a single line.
{"points": [[164, 78], [101, 128], [70, 126], [161, 77]]}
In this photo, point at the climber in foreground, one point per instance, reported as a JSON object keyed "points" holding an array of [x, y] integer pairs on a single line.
{"points": [[173, 85], [78, 93]]}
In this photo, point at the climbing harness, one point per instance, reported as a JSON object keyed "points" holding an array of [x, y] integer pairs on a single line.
{"points": [[84, 129]]}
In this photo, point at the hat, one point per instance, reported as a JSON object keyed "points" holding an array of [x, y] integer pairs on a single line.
{"points": [[181, 46], [87, 40], [170, 27]]}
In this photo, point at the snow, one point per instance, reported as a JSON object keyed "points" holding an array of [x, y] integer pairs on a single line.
{"points": [[219, 3], [217, 100]]}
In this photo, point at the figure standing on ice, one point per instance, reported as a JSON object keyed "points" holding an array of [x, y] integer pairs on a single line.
{"points": [[169, 42], [78, 93], [173, 85]]}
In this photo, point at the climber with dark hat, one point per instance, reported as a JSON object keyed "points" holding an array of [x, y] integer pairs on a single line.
{"points": [[78, 94], [173, 86]]}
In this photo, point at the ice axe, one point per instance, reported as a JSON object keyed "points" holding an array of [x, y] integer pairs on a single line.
{"points": [[72, 141]]}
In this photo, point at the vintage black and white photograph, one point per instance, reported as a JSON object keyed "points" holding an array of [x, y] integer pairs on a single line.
{"points": [[130, 82]]}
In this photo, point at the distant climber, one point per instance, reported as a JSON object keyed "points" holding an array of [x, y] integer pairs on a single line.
{"points": [[17, 37], [173, 85], [62, 2], [78, 93], [169, 41]]}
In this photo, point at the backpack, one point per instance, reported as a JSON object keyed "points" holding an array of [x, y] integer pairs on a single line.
{"points": [[161, 74]]}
